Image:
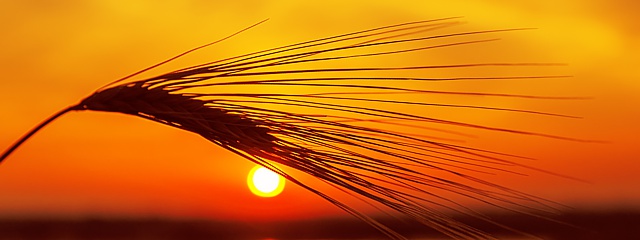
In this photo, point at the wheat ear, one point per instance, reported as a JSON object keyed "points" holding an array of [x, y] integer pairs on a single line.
{"points": [[394, 169]]}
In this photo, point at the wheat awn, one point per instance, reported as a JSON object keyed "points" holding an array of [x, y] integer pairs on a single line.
{"points": [[389, 167]]}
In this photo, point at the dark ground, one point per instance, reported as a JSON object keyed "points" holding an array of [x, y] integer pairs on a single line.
{"points": [[596, 225]]}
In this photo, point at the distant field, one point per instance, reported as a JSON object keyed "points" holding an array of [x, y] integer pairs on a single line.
{"points": [[599, 225]]}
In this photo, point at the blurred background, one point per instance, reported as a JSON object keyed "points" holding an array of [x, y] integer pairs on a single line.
{"points": [[90, 165]]}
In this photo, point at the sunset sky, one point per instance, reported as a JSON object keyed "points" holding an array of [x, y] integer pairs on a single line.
{"points": [[54, 53]]}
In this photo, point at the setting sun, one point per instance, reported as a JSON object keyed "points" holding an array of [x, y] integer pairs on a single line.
{"points": [[264, 182]]}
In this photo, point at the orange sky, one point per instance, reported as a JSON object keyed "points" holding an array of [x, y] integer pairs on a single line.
{"points": [[87, 163]]}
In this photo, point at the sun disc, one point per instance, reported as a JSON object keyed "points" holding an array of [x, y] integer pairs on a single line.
{"points": [[264, 182]]}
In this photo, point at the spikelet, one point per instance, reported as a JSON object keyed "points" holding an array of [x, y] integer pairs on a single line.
{"points": [[352, 147]]}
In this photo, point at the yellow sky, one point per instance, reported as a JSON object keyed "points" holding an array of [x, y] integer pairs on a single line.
{"points": [[52, 54]]}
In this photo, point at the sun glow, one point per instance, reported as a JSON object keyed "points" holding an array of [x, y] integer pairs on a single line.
{"points": [[264, 182]]}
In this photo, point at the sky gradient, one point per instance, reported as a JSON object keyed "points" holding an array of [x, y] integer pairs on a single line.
{"points": [[102, 164]]}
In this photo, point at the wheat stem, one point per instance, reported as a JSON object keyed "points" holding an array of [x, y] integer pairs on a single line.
{"points": [[34, 130]]}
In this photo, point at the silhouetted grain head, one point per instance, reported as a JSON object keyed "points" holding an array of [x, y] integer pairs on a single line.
{"points": [[335, 125]]}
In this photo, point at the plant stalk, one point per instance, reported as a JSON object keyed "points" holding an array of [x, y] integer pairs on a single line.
{"points": [[34, 130]]}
